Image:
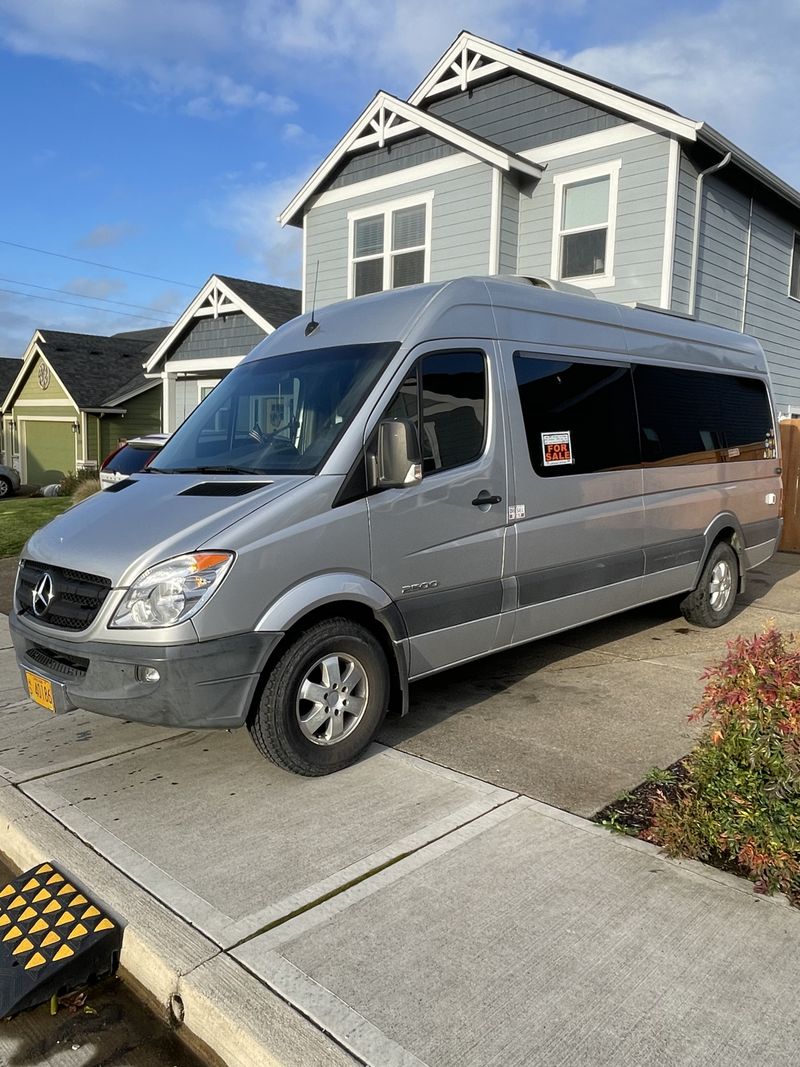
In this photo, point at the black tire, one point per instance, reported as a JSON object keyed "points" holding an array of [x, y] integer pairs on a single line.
{"points": [[275, 724], [6, 488], [703, 605]]}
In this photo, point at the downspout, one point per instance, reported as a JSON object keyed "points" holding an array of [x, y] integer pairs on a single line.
{"points": [[698, 207]]}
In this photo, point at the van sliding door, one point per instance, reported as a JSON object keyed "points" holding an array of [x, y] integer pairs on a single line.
{"points": [[577, 489]]}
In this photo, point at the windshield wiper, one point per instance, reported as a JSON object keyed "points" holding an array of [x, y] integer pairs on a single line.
{"points": [[220, 469]]}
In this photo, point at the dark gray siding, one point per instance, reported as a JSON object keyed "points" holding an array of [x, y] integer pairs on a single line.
{"points": [[509, 228], [511, 111], [518, 114], [398, 155], [641, 217], [209, 338]]}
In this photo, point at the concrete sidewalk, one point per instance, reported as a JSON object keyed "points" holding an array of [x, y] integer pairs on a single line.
{"points": [[398, 912]]}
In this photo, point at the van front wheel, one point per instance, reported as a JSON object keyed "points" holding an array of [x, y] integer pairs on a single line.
{"points": [[711, 603], [323, 700]]}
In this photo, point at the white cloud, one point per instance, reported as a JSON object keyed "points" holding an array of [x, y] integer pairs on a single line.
{"points": [[734, 67], [250, 211], [106, 234], [99, 288]]}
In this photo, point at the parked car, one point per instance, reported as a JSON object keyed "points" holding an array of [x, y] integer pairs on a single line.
{"points": [[130, 457], [9, 481], [417, 479]]}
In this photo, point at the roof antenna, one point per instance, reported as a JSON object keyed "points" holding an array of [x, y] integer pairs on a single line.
{"points": [[312, 324]]}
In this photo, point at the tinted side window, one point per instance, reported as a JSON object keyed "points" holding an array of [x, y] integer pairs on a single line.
{"points": [[449, 388], [579, 417], [696, 417], [453, 386]]}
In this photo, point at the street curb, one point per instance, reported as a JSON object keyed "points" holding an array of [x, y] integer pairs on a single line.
{"points": [[228, 1013]]}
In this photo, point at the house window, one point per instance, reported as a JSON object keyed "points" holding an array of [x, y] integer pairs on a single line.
{"points": [[585, 224], [390, 246], [794, 273]]}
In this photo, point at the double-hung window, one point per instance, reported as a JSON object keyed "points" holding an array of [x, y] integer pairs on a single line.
{"points": [[584, 225], [389, 246]]}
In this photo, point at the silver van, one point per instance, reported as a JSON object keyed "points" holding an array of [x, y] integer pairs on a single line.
{"points": [[398, 484]]}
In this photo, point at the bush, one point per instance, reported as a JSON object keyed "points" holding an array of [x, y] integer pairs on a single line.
{"points": [[739, 807], [70, 482], [87, 487]]}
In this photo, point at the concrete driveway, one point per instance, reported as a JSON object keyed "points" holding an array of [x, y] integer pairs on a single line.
{"points": [[578, 719]]}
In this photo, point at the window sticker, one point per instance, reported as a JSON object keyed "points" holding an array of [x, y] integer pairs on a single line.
{"points": [[557, 449]]}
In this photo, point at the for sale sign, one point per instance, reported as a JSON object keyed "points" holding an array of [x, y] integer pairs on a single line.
{"points": [[557, 449]]}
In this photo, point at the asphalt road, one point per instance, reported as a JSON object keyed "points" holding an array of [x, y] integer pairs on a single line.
{"points": [[117, 1030]]}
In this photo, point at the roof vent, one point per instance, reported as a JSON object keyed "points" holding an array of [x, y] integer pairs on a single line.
{"points": [[556, 285]]}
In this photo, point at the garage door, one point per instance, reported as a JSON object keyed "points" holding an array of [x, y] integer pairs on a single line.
{"points": [[49, 451]]}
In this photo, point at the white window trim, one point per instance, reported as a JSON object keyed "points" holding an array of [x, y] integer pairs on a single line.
{"points": [[608, 170], [204, 383], [795, 244], [387, 209]]}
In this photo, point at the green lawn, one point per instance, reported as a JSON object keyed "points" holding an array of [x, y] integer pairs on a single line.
{"points": [[21, 515]]}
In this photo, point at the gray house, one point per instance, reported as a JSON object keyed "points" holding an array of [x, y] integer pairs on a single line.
{"points": [[504, 162], [227, 318]]}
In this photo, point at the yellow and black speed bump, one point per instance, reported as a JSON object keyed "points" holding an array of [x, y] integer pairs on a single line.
{"points": [[54, 939]]}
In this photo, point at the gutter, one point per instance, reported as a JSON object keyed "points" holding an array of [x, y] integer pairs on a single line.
{"points": [[698, 207]]}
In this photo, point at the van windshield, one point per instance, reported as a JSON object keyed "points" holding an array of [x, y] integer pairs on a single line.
{"points": [[279, 415]]}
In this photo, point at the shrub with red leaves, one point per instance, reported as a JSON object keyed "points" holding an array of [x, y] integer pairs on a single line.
{"points": [[739, 807]]}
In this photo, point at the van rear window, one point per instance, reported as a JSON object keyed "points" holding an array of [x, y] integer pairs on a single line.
{"points": [[689, 416]]}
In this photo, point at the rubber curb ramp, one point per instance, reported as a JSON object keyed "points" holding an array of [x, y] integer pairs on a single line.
{"points": [[54, 938]]}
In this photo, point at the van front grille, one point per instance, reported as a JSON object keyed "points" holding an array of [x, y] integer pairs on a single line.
{"points": [[72, 598]]}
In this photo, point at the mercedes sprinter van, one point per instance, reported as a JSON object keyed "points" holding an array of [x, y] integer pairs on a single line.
{"points": [[402, 483]]}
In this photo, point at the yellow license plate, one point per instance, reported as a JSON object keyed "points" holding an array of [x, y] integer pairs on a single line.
{"points": [[40, 690]]}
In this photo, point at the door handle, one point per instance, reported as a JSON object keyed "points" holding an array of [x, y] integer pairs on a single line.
{"points": [[483, 499]]}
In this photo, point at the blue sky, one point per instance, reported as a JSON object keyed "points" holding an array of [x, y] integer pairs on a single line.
{"points": [[164, 137]]}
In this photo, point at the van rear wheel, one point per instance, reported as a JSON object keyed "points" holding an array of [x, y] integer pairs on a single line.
{"points": [[323, 700], [711, 602]]}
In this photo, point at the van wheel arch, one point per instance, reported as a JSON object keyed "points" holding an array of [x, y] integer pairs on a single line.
{"points": [[725, 528], [364, 616]]}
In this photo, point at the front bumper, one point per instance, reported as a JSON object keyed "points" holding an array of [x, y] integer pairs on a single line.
{"points": [[207, 684]]}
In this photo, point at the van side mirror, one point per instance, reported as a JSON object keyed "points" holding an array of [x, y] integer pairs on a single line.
{"points": [[399, 458]]}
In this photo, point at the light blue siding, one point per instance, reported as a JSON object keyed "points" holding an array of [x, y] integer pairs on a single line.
{"points": [[460, 224], [684, 231], [641, 217], [509, 228], [772, 315], [766, 309]]}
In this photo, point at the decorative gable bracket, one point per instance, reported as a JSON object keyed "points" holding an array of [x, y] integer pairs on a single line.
{"points": [[217, 302], [466, 67]]}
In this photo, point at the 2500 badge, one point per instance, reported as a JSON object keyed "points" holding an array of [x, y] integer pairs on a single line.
{"points": [[418, 587]]}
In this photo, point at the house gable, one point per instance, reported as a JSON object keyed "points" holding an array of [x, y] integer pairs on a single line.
{"points": [[383, 123], [226, 318]]}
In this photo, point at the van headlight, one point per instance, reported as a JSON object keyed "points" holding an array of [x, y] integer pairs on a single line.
{"points": [[172, 591]]}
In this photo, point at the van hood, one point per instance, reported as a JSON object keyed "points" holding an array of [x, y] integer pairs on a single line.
{"points": [[151, 517]]}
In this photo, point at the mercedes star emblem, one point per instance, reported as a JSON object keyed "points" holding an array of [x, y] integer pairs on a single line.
{"points": [[42, 594]]}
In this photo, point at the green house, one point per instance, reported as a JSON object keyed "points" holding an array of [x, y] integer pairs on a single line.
{"points": [[74, 397]]}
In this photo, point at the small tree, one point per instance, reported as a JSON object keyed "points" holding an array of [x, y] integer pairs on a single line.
{"points": [[740, 804]]}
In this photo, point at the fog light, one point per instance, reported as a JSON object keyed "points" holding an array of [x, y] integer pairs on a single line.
{"points": [[147, 674]]}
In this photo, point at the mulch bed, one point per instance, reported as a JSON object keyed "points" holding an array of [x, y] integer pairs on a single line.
{"points": [[632, 812]]}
